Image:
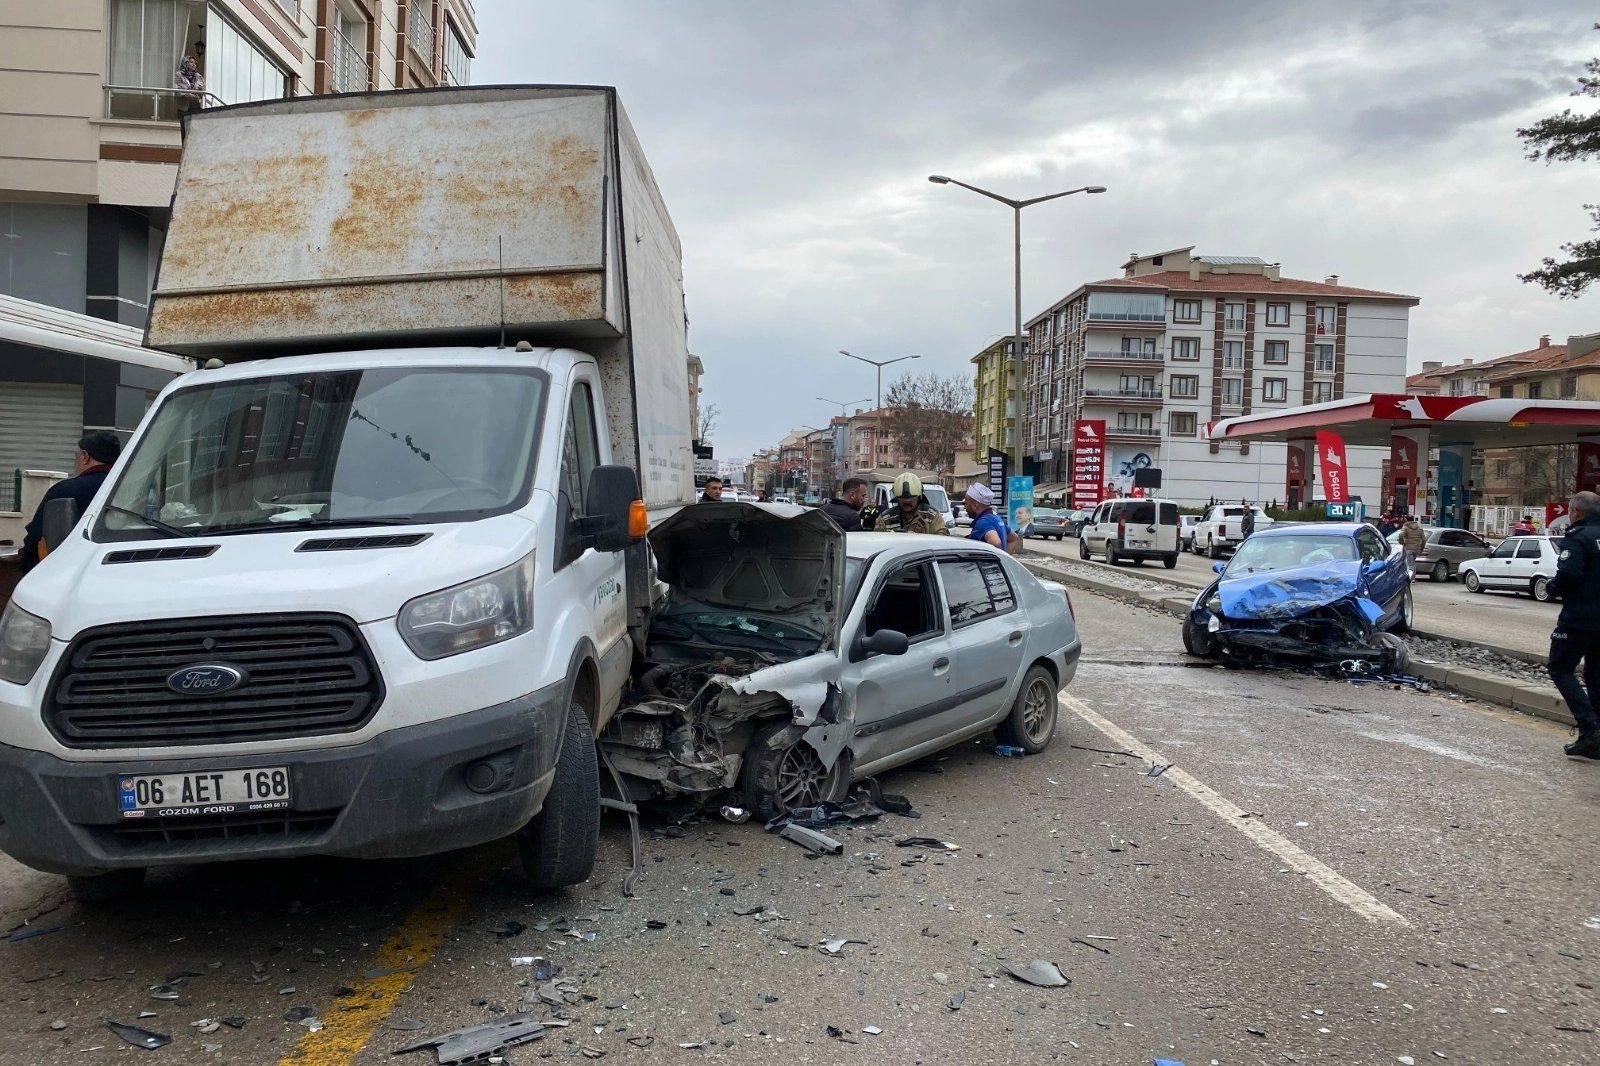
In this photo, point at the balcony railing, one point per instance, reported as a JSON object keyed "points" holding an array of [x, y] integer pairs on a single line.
{"points": [[1123, 394], [350, 71], [1142, 432], [420, 35], [1126, 316], [150, 104], [1114, 357]]}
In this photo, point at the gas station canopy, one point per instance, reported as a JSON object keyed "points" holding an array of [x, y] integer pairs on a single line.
{"points": [[1474, 421]]}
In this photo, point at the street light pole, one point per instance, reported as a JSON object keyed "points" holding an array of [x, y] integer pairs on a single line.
{"points": [[1016, 248], [880, 366], [844, 403]]}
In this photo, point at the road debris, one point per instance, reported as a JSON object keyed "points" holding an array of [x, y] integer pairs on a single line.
{"points": [[1087, 944], [754, 908], [1009, 751], [827, 813], [871, 1030], [477, 1043], [139, 1037], [543, 968], [728, 1017], [873, 792], [298, 1014], [510, 929], [1040, 972], [811, 840], [931, 843], [407, 1025], [1159, 769], [29, 934], [958, 999], [736, 815]]}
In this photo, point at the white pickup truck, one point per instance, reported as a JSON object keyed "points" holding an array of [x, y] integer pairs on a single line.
{"points": [[1220, 531]]}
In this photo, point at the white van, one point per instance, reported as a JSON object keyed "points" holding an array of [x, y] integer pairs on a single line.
{"points": [[1132, 529]]}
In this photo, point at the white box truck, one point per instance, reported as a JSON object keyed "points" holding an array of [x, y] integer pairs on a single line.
{"points": [[364, 585]]}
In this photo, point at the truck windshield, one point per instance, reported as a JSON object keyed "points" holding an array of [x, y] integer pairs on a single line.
{"points": [[350, 447]]}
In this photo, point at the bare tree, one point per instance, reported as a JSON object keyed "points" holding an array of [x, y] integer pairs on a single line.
{"points": [[708, 422], [932, 417]]}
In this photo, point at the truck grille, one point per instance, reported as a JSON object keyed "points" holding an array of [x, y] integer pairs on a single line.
{"points": [[305, 675], [275, 826]]}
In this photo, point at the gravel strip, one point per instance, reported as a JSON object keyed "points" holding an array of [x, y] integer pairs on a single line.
{"points": [[1121, 578], [1472, 658]]}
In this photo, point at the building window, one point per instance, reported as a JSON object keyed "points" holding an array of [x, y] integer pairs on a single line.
{"points": [[1502, 468], [1324, 358], [1321, 391], [1535, 390], [1327, 320], [1233, 391], [1185, 386], [1139, 344], [1182, 424], [350, 71], [1186, 348], [1274, 390], [1127, 307], [1185, 310], [1127, 421], [457, 60], [1277, 314], [1233, 355], [1458, 387], [1569, 386], [1233, 316], [238, 71], [1507, 391], [1277, 352], [419, 30], [146, 40]]}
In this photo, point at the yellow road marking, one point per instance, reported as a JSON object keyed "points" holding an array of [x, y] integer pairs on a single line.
{"points": [[406, 951], [1292, 855]]}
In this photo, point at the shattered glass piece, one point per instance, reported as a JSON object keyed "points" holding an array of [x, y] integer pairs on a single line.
{"points": [[736, 815], [931, 843], [836, 945], [233, 1021], [1039, 972], [139, 1037]]}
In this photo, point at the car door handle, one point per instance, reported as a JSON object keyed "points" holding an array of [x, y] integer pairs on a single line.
{"points": [[1015, 637], [940, 663]]}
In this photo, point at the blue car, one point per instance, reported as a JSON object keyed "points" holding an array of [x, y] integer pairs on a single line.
{"points": [[1326, 592]]}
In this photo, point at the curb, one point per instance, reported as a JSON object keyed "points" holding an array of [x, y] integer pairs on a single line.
{"points": [[1538, 701]]}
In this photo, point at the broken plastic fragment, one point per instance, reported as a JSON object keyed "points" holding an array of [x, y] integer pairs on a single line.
{"points": [[655, 924], [927, 842], [139, 1037], [810, 839], [29, 934], [728, 1017], [1039, 972], [298, 1014], [736, 815], [406, 1025], [836, 945], [754, 908], [871, 1030], [475, 1043]]}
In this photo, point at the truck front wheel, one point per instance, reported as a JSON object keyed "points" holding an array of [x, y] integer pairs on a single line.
{"points": [[558, 846]]}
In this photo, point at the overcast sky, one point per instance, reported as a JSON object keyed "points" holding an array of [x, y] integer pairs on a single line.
{"points": [[793, 142]]}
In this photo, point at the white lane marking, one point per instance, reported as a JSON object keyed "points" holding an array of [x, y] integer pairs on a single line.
{"points": [[1314, 870]]}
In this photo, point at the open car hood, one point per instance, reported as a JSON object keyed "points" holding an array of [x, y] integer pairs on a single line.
{"points": [[775, 560], [1285, 594]]}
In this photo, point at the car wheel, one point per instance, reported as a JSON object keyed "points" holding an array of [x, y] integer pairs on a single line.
{"points": [[107, 887], [1112, 558], [1441, 571], [1407, 613], [1032, 721], [783, 772], [1197, 641], [1469, 578], [1398, 661], [1212, 551], [1170, 561], [1541, 589], [1083, 547], [558, 846]]}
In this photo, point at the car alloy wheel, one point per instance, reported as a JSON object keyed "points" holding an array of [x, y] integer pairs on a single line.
{"points": [[1039, 711], [1469, 578], [802, 779], [1441, 571], [1541, 589]]}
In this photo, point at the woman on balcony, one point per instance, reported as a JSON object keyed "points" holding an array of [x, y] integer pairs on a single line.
{"points": [[189, 77]]}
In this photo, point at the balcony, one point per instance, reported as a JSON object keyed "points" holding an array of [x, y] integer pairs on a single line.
{"points": [[1141, 397], [1235, 324], [1138, 358], [419, 34], [150, 104], [350, 71], [1141, 433]]}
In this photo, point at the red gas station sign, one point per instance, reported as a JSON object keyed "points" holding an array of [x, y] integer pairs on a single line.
{"points": [[1088, 461], [1330, 458]]}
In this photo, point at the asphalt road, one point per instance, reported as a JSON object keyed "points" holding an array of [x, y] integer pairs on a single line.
{"points": [[1327, 873], [1502, 619]]}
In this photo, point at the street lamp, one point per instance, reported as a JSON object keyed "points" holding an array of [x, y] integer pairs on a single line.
{"points": [[843, 404], [1016, 248], [880, 366]]}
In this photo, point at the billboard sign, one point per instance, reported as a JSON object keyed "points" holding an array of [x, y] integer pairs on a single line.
{"points": [[1088, 461]]}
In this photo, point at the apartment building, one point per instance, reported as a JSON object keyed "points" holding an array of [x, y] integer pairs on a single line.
{"points": [[1529, 477], [872, 445], [1468, 377], [1183, 340], [994, 407], [89, 145]]}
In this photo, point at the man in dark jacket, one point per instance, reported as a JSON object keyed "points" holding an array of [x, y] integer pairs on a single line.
{"points": [[1577, 632], [92, 461], [845, 508], [713, 491]]}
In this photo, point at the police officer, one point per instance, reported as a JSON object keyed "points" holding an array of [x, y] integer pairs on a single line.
{"points": [[1577, 632]]}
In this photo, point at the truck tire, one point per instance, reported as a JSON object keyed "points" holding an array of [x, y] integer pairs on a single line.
{"points": [[1170, 561], [1197, 642], [107, 887], [1083, 546], [558, 846], [1112, 558], [1212, 551], [1032, 721], [782, 772]]}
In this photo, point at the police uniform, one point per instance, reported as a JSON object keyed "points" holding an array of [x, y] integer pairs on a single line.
{"points": [[923, 520], [1577, 632]]}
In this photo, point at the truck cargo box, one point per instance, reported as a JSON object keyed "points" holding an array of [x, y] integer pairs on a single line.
{"points": [[432, 217]]}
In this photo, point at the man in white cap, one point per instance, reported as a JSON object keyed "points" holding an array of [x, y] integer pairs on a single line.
{"points": [[986, 525]]}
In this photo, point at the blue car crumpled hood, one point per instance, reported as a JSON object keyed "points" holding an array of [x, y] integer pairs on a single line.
{"points": [[1279, 595]]}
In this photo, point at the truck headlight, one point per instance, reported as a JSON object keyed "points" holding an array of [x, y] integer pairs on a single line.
{"points": [[472, 615], [24, 640]]}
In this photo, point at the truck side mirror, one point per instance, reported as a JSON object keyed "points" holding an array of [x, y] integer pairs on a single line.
{"points": [[59, 517], [613, 491]]}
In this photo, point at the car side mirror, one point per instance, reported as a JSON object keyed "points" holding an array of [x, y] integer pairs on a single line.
{"points": [[1217, 568], [613, 491], [59, 517], [885, 642], [1375, 565]]}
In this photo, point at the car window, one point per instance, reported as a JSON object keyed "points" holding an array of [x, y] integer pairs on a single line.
{"points": [[580, 454], [1115, 511], [1530, 548], [1506, 548], [1140, 514], [976, 589], [1169, 514], [1371, 545], [907, 601], [1287, 552]]}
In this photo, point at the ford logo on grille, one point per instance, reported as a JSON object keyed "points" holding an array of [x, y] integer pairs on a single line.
{"points": [[205, 679]]}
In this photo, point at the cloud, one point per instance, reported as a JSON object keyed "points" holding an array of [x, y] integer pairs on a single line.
{"points": [[792, 143]]}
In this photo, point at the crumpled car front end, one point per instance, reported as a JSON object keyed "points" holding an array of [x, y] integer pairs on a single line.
{"points": [[1309, 615]]}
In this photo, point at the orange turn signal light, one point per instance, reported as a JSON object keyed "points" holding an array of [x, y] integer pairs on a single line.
{"points": [[638, 519]]}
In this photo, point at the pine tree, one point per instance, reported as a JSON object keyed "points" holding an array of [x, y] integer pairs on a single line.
{"points": [[1567, 138]]}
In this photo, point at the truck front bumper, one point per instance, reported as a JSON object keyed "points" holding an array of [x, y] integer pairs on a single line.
{"points": [[403, 793]]}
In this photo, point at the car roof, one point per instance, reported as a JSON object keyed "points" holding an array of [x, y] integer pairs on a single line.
{"points": [[1348, 529], [865, 545]]}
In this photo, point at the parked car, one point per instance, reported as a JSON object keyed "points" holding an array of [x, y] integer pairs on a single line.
{"points": [[1446, 550], [1187, 524], [1076, 520], [1517, 564], [1048, 522], [1323, 593], [1221, 529], [1136, 529], [759, 677]]}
